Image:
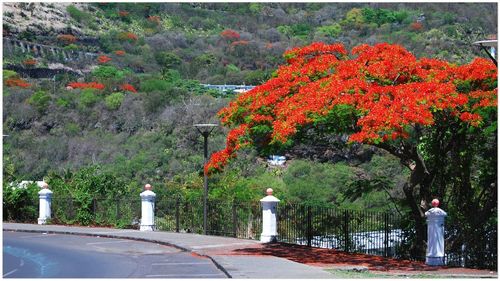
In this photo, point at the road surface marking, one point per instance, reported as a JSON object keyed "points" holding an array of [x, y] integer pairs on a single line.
{"points": [[21, 264], [222, 245]]}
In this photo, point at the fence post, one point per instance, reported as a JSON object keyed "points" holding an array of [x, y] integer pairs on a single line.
{"points": [[177, 214], [235, 225], [386, 234], [309, 227], [45, 196], [346, 230], [147, 209], [435, 234], [269, 229]]}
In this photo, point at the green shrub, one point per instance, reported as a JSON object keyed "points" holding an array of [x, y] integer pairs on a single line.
{"points": [[79, 16], [108, 72], [71, 47], [72, 129], [154, 85], [88, 98], [114, 101], [20, 204], [167, 59], [40, 100], [333, 30], [9, 74]]}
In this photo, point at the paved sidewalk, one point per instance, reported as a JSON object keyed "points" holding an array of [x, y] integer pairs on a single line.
{"points": [[257, 266]]}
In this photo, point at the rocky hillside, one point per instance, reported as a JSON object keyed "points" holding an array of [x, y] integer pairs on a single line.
{"points": [[119, 84]]}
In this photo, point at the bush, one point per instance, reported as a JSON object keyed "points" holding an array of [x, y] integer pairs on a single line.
{"points": [[114, 101], [154, 85], [88, 98], [9, 74], [20, 204], [40, 100], [167, 59], [79, 16], [108, 72], [333, 30]]}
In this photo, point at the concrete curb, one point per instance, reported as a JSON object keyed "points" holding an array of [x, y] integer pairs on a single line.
{"points": [[220, 267]]}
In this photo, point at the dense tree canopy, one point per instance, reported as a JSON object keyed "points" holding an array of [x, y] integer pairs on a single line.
{"points": [[382, 94], [433, 115]]}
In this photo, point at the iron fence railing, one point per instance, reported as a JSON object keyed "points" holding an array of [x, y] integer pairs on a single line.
{"points": [[241, 220], [375, 233], [345, 230]]}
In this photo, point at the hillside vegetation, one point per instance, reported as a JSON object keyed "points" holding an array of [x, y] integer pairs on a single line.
{"points": [[130, 111]]}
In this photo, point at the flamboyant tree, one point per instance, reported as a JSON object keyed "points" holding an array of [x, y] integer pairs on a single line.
{"points": [[427, 112]]}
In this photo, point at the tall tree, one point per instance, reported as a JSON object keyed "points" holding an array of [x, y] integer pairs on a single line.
{"points": [[431, 114]]}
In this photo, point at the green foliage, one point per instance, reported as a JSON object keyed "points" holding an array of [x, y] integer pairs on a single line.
{"points": [[88, 97], [114, 101], [333, 30], [72, 129], [71, 47], [301, 30], [40, 100], [316, 183], [232, 68], [81, 188], [382, 16], [78, 15], [152, 85], [20, 204], [255, 8], [108, 72], [9, 74], [167, 59]]}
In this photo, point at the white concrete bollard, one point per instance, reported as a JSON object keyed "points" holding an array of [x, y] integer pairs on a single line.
{"points": [[147, 209], [45, 196], [435, 235], [269, 229]]}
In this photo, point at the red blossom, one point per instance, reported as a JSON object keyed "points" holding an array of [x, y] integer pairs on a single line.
{"points": [[416, 26], [230, 35], [90, 85], [128, 87], [128, 36], [119, 52], [17, 82], [30, 62], [103, 59], [123, 13], [388, 89]]}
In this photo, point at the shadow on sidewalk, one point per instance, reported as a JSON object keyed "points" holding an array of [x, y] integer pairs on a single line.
{"points": [[330, 257]]}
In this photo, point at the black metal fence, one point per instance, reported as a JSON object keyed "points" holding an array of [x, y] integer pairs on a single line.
{"points": [[346, 230], [374, 233], [241, 220]]}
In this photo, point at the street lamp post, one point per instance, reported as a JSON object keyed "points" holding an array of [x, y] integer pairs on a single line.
{"points": [[492, 44], [205, 130]]}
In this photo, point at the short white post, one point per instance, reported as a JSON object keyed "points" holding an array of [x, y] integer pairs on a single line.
{"points": [[147, 209], [45, 196], [269, 229], [435, 235]]}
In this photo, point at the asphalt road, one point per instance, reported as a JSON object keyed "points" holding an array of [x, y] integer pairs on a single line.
{"points": [[35, 255]]}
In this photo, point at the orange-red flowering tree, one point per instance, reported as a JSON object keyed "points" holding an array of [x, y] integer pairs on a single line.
{"points": [[427, 112], [103, 59]]}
